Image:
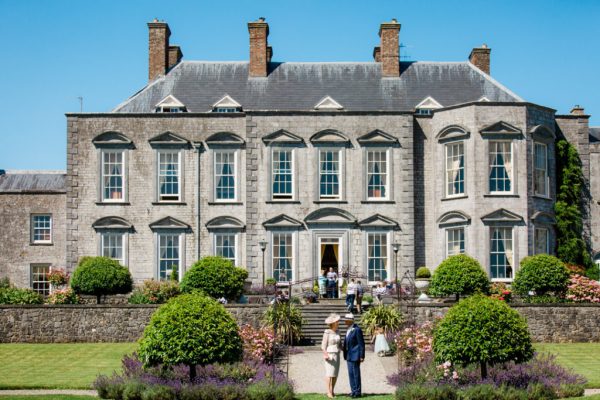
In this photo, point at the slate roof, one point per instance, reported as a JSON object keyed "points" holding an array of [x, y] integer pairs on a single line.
{"points": [[33, 182], [594, 134], [300, 86]]}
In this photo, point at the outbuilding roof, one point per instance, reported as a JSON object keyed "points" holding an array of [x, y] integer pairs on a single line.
{"points": [[295, 86], [33, 182]]}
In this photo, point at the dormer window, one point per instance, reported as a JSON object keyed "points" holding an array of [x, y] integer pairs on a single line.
{"points": [[170, 104], [328, 104], [226, 105], [427, 106]]}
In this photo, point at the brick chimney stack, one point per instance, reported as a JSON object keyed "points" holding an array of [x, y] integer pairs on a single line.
{"points": [[260, 51], [389, 53], [480, 57], [377, 54], [158, 48], [175, 55]]}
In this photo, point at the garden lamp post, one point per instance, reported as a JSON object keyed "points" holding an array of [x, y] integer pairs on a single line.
{"points": [[396, 248], [263, 247]]}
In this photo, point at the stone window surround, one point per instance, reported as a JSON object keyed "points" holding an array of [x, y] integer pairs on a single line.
{"points": [[34, 242], [125, 174], [283, 147], [341, 174], [181, 174], [31, 276], [269, 266], [389, 264], [464, 238], [389, 174], [537, 227], [157, 234], [125, 238], [547, 170], [236, 175], [464, 167], [236, 245]]}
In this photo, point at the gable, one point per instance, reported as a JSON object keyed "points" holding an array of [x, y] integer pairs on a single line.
{"points": [[502, 216], [429, 103], [283, 221], [330, 215], [377, 137], [282, 136], [225, 222], [169, 223], [112, 223], [170, 101], [226, 102], [168, 138], [328, 103], [501, 129], [329, 136], [111, 139], [379, 221], [454, 218], [452, 132], [225, 138]]}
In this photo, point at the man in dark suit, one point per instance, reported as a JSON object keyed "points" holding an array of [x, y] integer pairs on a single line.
{"points": [[354, 353]]}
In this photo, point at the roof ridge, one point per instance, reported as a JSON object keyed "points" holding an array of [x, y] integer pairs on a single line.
{"points": [[35, 172], [495, 82]]}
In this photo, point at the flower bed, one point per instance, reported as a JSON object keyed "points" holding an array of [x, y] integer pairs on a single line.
{"points": [[583, 290], [249, 380]]}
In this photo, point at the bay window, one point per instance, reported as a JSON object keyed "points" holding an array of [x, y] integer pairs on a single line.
{"points": [[540, 169]]}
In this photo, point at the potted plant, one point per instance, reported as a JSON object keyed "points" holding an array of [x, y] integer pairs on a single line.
{"points": [[423, 278], [309, 297], [367, 300]]}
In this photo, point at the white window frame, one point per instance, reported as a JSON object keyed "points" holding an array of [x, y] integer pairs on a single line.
{"points": [[388, 248], [33, 275], [546, 193], [216, 175], [225, 110], [291, 256], [159, 153], [386, 173], [512, 238], [123, 175], [453, 230], [535, 239], [447, 182], [511, 176], [180, 259], [292, 195], [34, 228], [236, 240], [123, 235], [340, 174]]}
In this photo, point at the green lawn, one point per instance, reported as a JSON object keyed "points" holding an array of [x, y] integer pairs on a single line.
{"points": [[583, 358], [47, 397], [58, 366]]}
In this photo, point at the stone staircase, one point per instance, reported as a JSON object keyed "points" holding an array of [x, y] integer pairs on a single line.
{"points": [[314, 320]]}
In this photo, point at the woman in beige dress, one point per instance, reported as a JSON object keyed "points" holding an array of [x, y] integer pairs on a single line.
{"points": [[331, 346]]}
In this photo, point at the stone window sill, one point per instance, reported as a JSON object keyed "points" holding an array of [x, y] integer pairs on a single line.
{"points": [[378, 202], [41, 244], [169, 203], [500, 195], [541, 197], [330, 202], [455, 198], [283, 202], [225, 203], [102, 203]]}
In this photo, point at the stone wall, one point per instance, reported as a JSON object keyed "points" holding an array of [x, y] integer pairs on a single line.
{"points": [[548, 323], [89, 323]]}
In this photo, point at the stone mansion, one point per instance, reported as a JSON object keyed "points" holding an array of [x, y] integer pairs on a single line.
{"points": [[291, 168]]}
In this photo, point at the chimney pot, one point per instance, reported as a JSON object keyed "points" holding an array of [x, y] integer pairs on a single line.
{"points": [[577, 110], [389, 53], [480, 57], [260, 51]]}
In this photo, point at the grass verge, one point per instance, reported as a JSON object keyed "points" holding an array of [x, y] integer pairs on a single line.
{"points": [[582, 358]]}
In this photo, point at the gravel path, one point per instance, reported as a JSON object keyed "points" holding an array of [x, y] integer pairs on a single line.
{"points": [[31, 392]]}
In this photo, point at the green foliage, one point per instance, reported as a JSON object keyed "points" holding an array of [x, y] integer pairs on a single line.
{"points": [[155, 292], [159, 392], [386, 317], [190, 329], [543, 274], [13, 295], [482, 330], [133, 390], [367, 298], [100, 276], [270, 391], [571, 248], [459, 275], [420, 392], [288, 321], [423, 273], [63, 296], [4, 283], [215, 276], [271, 282]]}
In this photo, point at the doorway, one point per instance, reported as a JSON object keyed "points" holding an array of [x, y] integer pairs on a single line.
{"points": [[329, 250]]}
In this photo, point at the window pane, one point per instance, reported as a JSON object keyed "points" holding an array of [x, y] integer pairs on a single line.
{"points": [[112, 246], [501, 253], [39, 279], [377, 178], [282, 174], [541, 169], [168, 175], [500, 166], [455, 241], [282, 257], [225, 246], [168, 255], [329, 172], [225, 175], [377, 257], [112, 175], [455, 169], [41, 228]]}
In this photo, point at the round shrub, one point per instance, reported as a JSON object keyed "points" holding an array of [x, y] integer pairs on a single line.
{"points": [[100, 276], [542, 274], [482, 330], [459, 275], [215, 276], [423, 273], [190, 329]]}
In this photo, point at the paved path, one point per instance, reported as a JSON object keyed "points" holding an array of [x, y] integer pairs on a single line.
{"points": [[47, 391], [308, 373]]}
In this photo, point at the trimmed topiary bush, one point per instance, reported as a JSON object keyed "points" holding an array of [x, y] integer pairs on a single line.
{"points": [[423, 273], [484, 331], [100, 276], [191, 329], [543, 274], [215, 276], [459, 275]]}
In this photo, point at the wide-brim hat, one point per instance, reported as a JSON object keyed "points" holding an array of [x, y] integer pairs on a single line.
{"points": [[333, 318]]}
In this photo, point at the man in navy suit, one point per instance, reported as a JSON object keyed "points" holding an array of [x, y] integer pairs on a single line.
{"points": [[354, 353]]}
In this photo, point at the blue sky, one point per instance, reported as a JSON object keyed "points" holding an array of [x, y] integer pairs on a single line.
{"points": [[548, 52]]}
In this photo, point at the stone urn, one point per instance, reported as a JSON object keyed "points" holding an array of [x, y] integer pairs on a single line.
{"points": [[423, 276]]}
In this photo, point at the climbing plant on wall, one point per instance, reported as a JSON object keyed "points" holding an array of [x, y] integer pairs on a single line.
{"points": [[571, 248]]}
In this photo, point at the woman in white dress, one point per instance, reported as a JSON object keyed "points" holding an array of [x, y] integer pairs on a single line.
{"points": [[331, 346]]}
